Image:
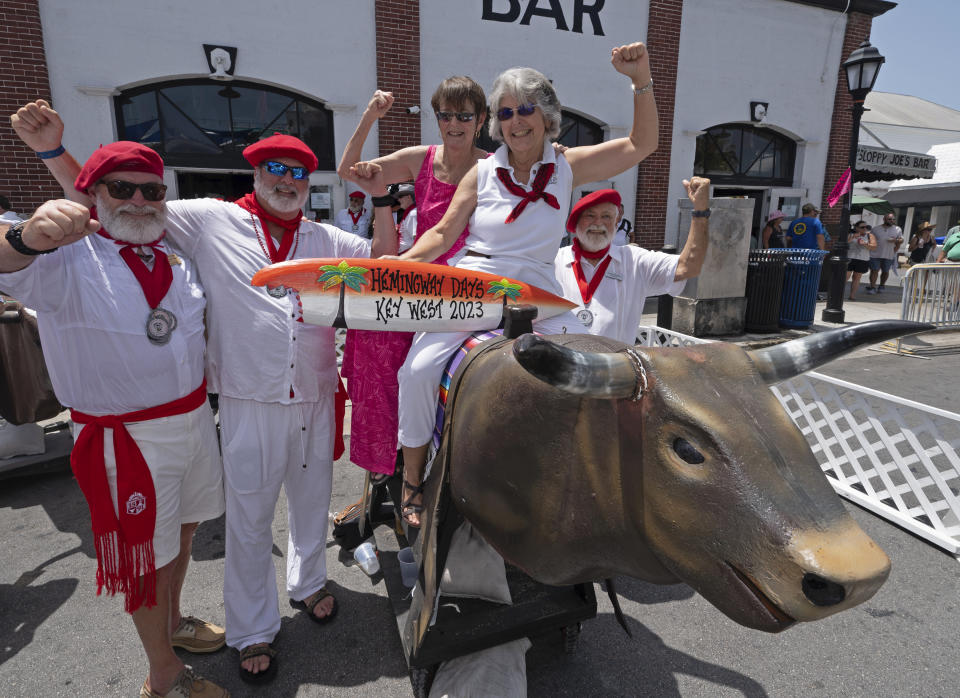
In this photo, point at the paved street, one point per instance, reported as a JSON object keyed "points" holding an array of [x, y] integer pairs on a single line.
{"points": [[58, 639]]}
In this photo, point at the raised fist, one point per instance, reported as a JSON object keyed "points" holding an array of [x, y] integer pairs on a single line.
{"points": [[633, 61], [57, 223], [38, 125]]}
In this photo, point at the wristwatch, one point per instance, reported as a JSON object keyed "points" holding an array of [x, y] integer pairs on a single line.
{"points": [[705, 213], [15, 238]]}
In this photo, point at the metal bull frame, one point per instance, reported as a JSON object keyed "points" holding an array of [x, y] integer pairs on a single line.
{"points": [[931, 293], [898, 458]]}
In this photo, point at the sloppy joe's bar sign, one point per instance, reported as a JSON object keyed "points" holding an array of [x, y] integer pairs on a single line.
{"points": [[895, 162], [398, 296]]}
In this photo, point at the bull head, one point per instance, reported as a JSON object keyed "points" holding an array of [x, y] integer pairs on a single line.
{"points": [[719, 488]]}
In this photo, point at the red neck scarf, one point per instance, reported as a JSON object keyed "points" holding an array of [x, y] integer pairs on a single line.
{"points": [[154, 282], [587, 289], [124, 544], [355, 217], [536, 191], [250, 204]]}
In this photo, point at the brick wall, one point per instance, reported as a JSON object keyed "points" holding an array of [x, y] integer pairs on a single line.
{"points": [[398, 71], [23, 178], [663, 43], [838, 151]]}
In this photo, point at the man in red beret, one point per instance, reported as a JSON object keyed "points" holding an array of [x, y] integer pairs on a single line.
{"points": [[120, 313], [355, 218], [610, 283], [276, 376]]}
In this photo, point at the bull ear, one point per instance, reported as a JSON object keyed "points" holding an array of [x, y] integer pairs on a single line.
{"points": [[783, 361], [595, 375]]}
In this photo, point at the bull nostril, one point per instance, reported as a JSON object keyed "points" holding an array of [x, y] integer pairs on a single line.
{"points": [[822, 592]]}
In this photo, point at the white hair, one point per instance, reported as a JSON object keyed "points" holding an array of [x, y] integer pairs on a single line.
{"points": [[129, 222], [527, 86]]}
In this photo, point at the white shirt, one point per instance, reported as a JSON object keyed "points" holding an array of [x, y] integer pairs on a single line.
{"points": [[886, 240], [10, 217], [257, 349], [408, 230], [343, 221], [92, 317], [617, 304]]}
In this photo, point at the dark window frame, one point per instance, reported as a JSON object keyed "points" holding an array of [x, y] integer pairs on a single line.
{"points": [[782, 148], [230, 158]]}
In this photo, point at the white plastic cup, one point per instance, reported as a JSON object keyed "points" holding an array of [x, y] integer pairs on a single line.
{"points": [[409, 569], [366, 557]]}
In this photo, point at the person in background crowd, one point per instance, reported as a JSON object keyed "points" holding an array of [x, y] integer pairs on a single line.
{"points": [[922, 244], [6, 215], [806, 232], [150, 485], [889, 238], [406, 214], [771, 237], [950, 252], [862, 242], [355, 218], [610, 284]]}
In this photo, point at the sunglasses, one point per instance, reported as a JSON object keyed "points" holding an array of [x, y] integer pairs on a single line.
{"points": [[278, 169], [464, 116], [119, 189], [506, 113]]}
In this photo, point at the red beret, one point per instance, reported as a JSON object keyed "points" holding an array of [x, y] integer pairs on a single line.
{"points": [[280, 146], [122, 155], [356, 195], [603, 196]]}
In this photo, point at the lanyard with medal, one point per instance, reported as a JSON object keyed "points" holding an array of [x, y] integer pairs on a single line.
{"points": [[587, 290], [288, 243], [356, 219], [154, 283]]}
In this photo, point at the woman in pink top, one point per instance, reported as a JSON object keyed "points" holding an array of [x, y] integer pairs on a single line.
{"points": [[371, 359]]}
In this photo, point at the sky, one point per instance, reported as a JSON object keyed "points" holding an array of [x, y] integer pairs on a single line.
{"points": [[921, 41]]}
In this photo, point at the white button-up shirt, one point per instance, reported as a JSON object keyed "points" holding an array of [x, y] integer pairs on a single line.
{"points": [[92, 317], [617, 304], [256, 347], [343, 221]]}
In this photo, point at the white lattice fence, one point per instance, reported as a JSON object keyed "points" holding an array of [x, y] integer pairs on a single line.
{"points": [[898, 458]]}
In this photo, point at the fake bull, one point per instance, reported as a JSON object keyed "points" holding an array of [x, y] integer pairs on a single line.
{"points": [[579, 458]]}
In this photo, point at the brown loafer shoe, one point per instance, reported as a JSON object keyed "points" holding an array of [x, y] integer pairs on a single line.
{"points": [[198, 636], [188, 685]]}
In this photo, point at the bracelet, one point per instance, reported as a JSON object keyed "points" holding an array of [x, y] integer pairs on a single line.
{"points": [[705, 213], [381, 201], [47, 154], [643, 90]]}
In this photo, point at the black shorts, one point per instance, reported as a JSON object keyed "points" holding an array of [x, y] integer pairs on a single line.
{"points": [[860, 266]]}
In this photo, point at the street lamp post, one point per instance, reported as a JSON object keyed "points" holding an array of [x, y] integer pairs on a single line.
{"points": [[861, 68]]}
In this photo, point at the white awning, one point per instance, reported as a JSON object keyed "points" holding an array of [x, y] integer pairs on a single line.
{"points": [[883, 163]]}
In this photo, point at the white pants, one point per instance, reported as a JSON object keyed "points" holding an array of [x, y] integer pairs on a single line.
{"points": [[420, 374], [266, 445]]}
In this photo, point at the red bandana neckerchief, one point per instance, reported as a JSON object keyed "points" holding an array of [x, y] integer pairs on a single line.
{"points": [[587, 289], [154, 282], [355, 218], [250, 204], [124, 544], [536, 191]]}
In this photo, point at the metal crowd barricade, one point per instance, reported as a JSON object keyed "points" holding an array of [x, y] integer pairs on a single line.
{"points": [[897, 458], [931, 293]]}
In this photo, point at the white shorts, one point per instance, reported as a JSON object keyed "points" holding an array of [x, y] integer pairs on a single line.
{"points": [[184, 460]]}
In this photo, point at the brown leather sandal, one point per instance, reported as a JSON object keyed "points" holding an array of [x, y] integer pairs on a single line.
{"points": [[408, 507], [310, 603], [259, 649]]}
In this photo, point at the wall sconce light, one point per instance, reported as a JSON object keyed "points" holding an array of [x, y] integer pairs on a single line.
{"points": [[222, 61]]}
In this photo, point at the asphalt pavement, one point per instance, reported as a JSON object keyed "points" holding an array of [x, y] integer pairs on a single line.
{"points": [[58, 639]]}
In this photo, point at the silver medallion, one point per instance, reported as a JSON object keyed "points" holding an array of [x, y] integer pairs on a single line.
{"points": [[585, 317], [160, 325], [356, 227], [277, 291]]}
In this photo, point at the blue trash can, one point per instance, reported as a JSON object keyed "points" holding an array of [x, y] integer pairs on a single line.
{"points": [[801, 278]]}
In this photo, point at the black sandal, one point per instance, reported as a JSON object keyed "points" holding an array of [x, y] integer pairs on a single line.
{"points": [[310, 603], [377, 479], [408, 507], [259, 649]]}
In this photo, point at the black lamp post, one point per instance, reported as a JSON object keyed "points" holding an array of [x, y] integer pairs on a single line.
{"points": [[862, 68]]}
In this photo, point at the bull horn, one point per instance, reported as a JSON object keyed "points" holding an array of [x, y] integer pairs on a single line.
{"points": [[783, 361], [595, 375]]}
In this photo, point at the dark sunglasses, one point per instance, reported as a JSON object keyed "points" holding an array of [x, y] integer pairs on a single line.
{"points": [[464, 116], [118, 189], [506, 113], [278, 169]]}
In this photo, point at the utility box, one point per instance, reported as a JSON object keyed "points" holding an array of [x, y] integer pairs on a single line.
{"points": [[714, 303]]}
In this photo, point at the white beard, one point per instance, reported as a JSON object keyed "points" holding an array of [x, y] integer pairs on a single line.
{"points": [[278, 203], [591, 239], [123, 225]]}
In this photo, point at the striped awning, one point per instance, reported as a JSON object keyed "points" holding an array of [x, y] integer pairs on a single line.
{"points": [[883, 164]]}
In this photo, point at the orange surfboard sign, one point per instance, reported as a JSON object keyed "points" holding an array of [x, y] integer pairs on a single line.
{"points": [[399, 296]]}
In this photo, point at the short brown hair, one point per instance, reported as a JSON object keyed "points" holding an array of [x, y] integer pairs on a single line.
{"points": [[460, 92]]}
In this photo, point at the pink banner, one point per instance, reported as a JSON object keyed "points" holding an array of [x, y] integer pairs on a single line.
{"points": [[840, 188]]}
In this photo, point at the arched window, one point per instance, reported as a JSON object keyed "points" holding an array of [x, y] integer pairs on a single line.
{"points": [[574, 130], [741, 154], [207, 124]]}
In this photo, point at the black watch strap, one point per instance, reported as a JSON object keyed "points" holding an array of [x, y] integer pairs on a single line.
{"points": [[383, 201], [705, 213], [15, 238]]}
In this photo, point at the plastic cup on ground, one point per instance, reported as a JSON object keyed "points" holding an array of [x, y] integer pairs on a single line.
{"points": [[366, 557], [409, 569]]}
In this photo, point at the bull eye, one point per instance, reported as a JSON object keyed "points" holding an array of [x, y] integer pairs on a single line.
{"points": [[687, 451]]}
